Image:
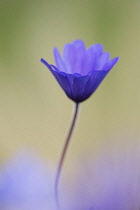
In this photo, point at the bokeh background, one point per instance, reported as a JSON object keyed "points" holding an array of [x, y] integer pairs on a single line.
{"points": [[34, 111]]}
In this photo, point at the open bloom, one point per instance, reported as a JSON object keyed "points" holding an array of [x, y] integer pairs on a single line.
{"points": [[80, 71]]}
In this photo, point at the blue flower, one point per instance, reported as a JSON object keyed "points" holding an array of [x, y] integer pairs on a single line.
{"points": [[80, 71]]}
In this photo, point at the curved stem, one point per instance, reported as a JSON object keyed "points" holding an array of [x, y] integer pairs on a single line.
{"points": [[64, 151]]}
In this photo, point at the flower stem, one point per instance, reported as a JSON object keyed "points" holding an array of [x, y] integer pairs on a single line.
{"points": [[64, 151]]}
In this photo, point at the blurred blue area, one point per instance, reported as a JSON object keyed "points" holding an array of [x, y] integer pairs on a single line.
{"points": [[35, 113], [26, 183], [108, 181]]}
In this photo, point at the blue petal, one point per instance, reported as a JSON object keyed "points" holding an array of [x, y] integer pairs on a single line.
{"points": [[58, 60], [96, 78], [109, 65], [63, 81], [73, 55], [79, 44], [46, 64], [79, 84], [54, 67], [103, 59], [70, 78], [69, 58], [91, 58], [98, 51], [80, 51], [60, 77], [72, 84]]}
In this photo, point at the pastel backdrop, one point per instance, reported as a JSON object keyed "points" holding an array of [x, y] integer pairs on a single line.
{"points": [[34, 111]]}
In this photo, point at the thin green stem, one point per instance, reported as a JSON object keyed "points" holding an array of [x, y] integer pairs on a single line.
{"points": [[64, 151]]}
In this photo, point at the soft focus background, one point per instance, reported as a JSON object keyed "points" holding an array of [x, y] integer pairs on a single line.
{"points": [[34, 111]]}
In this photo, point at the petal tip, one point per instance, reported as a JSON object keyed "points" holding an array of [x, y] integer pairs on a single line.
{"points": [[41, 59], [45, 63], [55, 49], [116, 59]]}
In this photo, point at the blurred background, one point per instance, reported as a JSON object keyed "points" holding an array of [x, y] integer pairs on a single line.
{"points": [[34, 111]]}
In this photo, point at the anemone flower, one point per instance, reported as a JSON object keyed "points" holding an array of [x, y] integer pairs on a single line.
{"points": [[79, 72]]}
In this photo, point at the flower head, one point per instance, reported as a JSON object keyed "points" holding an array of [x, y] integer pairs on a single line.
{"points": [[80, 71]]}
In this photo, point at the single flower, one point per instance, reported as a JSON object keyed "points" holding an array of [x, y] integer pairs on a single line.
{"points": [[80, 71]]}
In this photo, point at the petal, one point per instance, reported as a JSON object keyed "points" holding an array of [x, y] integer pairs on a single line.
{"points": [[109, 65], [60, 77], [79, 44], [91, 57], [80, 51], [58, 60], [54, 67], [98, 51], [96, 78], [103, 59], [46, 64], [70, 78], [69, 57], [73, 55], [63, 82], [79, 84]]}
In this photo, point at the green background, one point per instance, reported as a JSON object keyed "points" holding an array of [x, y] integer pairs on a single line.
{"points": [[34, 111]]}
